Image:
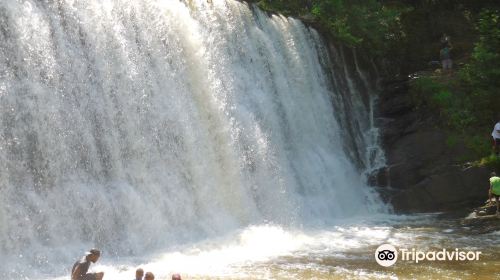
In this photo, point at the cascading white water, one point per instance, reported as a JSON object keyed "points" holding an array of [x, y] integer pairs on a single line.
{"points": [[137, 124]]}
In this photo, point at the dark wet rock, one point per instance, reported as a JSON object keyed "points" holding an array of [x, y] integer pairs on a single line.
{"points": [[422, 168], [483, 219], [450, 189], [379, 178]]}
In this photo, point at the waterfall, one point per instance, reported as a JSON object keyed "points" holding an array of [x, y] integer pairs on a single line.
{"points": [[137, 124]]}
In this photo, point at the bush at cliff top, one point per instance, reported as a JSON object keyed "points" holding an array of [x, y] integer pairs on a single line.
{"points": [[481, 77], [363, 23]]}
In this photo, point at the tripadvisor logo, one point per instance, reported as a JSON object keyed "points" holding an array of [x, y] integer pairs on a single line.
{"points": [[387, 255]]}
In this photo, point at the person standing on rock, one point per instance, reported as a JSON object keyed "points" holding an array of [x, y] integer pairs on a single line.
{"points": [[496, 138], [445, 54], [495, 190], [446, 62]]}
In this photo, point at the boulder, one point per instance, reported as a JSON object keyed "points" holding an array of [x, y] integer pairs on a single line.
{"points": [[452, 189]]}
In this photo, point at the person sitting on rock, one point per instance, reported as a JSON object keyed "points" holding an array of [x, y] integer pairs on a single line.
{"points": [[495, 190], [81, 267]]}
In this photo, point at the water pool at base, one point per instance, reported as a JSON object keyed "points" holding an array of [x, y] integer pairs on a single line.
{"points": [[338, 252]]}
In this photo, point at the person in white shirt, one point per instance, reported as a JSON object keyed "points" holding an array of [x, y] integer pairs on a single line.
{"points": [[496, 137]]}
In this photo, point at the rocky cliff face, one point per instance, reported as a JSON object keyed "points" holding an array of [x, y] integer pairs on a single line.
{"points": [[422, 174]]}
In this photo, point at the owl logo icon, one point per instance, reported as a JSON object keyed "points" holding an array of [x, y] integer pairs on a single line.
{"points": [[386, 255]]}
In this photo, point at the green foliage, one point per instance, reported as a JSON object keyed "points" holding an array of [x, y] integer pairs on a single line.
{"points": [[481, 77], [425, 84], [455, 108], [491, 161], [442, 97], [286, 7], [480, 144], [429, 91], [469, 103], [334, 16], [360, 23], [451, 140]]}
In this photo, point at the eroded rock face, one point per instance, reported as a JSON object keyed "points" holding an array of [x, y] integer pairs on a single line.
{"points": [[422, 174], [451, 189]]}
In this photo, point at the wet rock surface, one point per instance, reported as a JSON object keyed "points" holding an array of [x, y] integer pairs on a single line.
{"points": [[423, 173]]}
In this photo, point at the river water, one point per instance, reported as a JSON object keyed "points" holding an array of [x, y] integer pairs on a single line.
{"points": [[204, 137], [344, 251]]}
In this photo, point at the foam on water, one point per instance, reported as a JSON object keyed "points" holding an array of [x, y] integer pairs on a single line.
{"points": [[335, 252], [228, 256]]}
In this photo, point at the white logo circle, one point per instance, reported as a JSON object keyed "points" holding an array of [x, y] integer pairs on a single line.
{"points": [[386, 255]]}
